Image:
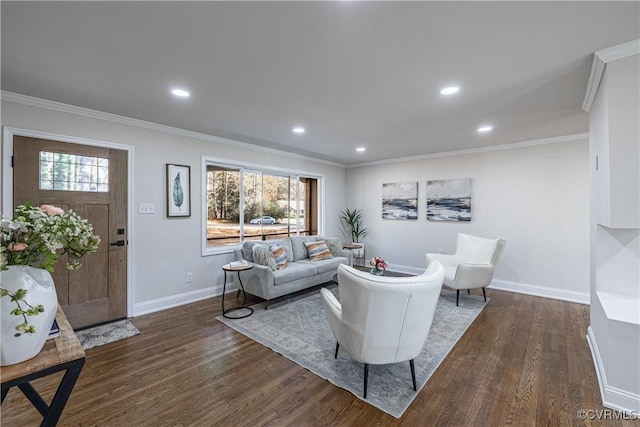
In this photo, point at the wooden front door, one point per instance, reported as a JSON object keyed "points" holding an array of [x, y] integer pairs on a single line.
{"points": [[97, 292]]}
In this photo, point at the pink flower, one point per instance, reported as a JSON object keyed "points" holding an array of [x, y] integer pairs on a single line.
{"points": [[17, 247], [379, 263], [52, 210]]}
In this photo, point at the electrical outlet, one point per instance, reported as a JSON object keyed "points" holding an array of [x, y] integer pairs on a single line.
{"points": [[189, 278]]}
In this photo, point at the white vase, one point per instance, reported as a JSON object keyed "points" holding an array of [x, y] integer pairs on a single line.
{"points": [[40, 290]]}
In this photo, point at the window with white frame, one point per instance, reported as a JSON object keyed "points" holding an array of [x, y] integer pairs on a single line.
{"points": [[251, 203]]}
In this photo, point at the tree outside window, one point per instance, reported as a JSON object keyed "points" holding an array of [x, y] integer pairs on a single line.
{"points": [[273, 205]]}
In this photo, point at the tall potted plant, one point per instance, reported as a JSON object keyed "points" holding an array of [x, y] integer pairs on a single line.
{"points": [[352, 220], [353, 226], [32, 242]]}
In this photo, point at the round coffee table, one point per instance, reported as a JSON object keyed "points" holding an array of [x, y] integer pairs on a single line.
{"points": [[231, 268]]}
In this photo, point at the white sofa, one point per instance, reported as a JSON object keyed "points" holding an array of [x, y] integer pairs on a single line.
{"points": [[300, 272]]}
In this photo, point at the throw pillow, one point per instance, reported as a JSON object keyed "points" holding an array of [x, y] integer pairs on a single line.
{"points": [[280, 255], [262, 255], [318, 250], [335, 247]]}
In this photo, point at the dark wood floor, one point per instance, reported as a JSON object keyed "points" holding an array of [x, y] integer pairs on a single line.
{"points": [[523, 362]]}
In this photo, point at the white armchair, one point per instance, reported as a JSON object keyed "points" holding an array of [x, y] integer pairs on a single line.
{"points": [[472, 265], [382, 319]]}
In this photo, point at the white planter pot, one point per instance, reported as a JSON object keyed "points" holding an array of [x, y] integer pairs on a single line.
{"points": [[358, 253], [40, 290]]}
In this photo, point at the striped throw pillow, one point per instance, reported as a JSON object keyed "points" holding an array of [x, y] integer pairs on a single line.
{"points": [[318, 250], [279, 254]]}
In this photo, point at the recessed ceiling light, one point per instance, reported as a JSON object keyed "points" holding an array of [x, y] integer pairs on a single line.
{"points": [[181, 93], [360, 149], [450, 90], [298, 129], [484, 129]]}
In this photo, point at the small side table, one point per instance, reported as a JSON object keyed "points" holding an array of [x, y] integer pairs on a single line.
{"points": [[229, 268], [353, 247]]}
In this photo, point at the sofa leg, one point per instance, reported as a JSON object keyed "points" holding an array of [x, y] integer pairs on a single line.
{"points": [[266, 304], [337, 347], [457, 296], [484, 294]]}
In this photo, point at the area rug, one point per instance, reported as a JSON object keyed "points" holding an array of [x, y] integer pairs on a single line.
{"points": [[107, 333], [297, 328]]}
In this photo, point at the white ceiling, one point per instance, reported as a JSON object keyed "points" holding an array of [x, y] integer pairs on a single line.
{"points": [[352, 73]]}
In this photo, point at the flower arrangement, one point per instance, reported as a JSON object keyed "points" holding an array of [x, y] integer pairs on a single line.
{"points": [[35, 236], [379, 265], [38, 237]]}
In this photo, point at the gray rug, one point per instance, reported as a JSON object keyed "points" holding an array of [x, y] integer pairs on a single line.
{"points": [[298, 329], [107, 333]]}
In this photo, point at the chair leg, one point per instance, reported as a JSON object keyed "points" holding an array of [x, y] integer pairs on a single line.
{"points": [[468, 291], [366, 376], [484, 294], [337, 347], [413, 374], [457, 296]]}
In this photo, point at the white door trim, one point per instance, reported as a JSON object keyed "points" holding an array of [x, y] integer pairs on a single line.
{"points": [[7, 184]]}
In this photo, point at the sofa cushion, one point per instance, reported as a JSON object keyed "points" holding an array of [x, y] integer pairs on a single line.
{"points": [[279, 254], [299, 250], [318, 250], [326, 264], [294, 271], [262, 255], [286, 243]]}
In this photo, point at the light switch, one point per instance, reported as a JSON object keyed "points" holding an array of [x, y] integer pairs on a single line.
{"points": [[146, 208]]}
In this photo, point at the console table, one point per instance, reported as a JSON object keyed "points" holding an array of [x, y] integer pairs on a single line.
{"points": [[63, 353]]}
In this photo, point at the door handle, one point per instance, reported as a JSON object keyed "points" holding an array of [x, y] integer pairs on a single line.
{"points": [[118, 243]]}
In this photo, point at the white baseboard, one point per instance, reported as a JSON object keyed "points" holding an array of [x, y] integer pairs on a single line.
{"points": [[541, 291], [612, 397], [178, 300], [502, 285]]}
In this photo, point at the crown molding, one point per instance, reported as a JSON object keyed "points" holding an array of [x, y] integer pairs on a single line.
{"points": [[115, 118], [500, 147], [619, 51], [600, 59]]}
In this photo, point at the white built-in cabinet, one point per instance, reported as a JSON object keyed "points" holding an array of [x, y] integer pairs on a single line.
{"points": [[614, 132]]}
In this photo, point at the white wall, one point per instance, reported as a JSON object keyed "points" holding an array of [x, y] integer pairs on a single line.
{"points": [[536, 197], [164, 250]]}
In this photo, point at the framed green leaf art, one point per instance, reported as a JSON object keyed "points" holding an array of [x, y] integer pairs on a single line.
{"points": [[178, 190]]}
